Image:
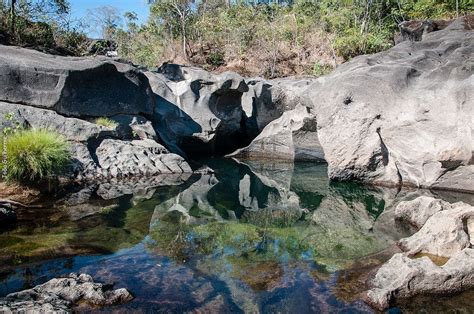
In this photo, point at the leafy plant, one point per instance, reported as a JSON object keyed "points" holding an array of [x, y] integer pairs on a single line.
{"points": [[33, 155]]}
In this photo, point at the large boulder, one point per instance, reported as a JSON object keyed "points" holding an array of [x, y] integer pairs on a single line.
{"points": [[73, 86], [403, 116], [125, 159], [60, 295], [103, 152]]}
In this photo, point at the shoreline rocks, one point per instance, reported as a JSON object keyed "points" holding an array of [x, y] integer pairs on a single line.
{"points": [[61, 295], [446, 234]]}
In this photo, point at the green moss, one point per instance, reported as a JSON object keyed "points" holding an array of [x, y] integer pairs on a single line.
{"points": [[7, 241]]}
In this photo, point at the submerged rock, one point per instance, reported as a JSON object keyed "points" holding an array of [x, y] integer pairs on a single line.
{"points": [[62, 294]]}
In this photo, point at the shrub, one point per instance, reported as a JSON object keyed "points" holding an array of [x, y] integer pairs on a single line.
{"points": [[108, 123], [321, 69], [33, 155]]}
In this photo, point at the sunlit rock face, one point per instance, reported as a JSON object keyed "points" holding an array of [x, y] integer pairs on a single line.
{"points": [[403, 116]]}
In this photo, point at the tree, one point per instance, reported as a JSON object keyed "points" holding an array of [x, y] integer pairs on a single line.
{"points": [[104, 20], [36, 9], [181, 10]]}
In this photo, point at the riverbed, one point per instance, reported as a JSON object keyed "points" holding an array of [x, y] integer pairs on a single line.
{"points": [[235, 237]]}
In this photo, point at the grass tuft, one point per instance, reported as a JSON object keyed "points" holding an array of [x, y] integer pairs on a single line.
{"points": [[108, 123], [35, 154]]}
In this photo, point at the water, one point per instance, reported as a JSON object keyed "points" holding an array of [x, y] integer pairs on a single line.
{"points": [[254, 237]]}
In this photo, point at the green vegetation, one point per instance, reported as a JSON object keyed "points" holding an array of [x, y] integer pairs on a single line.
{"points": [[265, 38], [42, 24], [33, 155], [272, 38], [108, 123]]}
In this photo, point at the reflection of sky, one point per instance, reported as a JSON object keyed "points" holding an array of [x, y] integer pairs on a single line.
{"points": [[79, 8]]}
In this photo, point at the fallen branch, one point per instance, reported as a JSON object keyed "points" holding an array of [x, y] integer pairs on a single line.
{"points": [[17, 204]]}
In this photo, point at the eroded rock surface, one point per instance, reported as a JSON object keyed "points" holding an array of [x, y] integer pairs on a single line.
{"points": [[403, 277], [199, 113], [403, 116], [446, 235], [62, 294], [416, 212], [291, 137]]}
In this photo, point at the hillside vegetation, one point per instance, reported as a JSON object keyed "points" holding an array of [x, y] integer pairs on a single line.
{"points": [[265, 38]]}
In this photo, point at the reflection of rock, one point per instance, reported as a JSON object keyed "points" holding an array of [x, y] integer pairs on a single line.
{"points": [[7, 215], [191, 204], [403, 277], [64, 293]]}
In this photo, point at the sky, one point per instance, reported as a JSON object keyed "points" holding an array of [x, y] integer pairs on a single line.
{"points": [[79, 8]]}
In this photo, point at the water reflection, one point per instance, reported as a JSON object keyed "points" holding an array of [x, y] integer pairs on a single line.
{"points": [[234, 237]]}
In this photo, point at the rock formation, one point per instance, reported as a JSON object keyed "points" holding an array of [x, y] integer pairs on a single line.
{"points": [[60, 295], [447, 233], [403, 116]]}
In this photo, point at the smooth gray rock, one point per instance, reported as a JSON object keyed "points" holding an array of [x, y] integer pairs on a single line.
{"points": [[403, 277], [446, 233], [403, 116], [416, 212], [460, 179], [291, 137], [75, 130], [62, 294], [94, 87]]}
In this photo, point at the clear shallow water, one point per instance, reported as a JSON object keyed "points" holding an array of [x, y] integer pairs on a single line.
{"points": [[241, 238]]}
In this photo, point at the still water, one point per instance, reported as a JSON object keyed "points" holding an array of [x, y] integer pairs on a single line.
{"points": [[237, 237]]}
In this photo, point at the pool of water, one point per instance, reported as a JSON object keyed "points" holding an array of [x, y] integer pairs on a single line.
{"points": [[238, 237]]}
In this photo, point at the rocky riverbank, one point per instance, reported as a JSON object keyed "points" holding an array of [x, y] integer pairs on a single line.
{"points": [[61, 295], [403, 117]]}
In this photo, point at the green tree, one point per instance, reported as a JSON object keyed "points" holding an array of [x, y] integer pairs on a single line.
{"points": [[170, 11], [38, 8]]}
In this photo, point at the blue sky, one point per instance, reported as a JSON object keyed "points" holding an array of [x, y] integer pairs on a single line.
{"points": [[79, 7]]}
